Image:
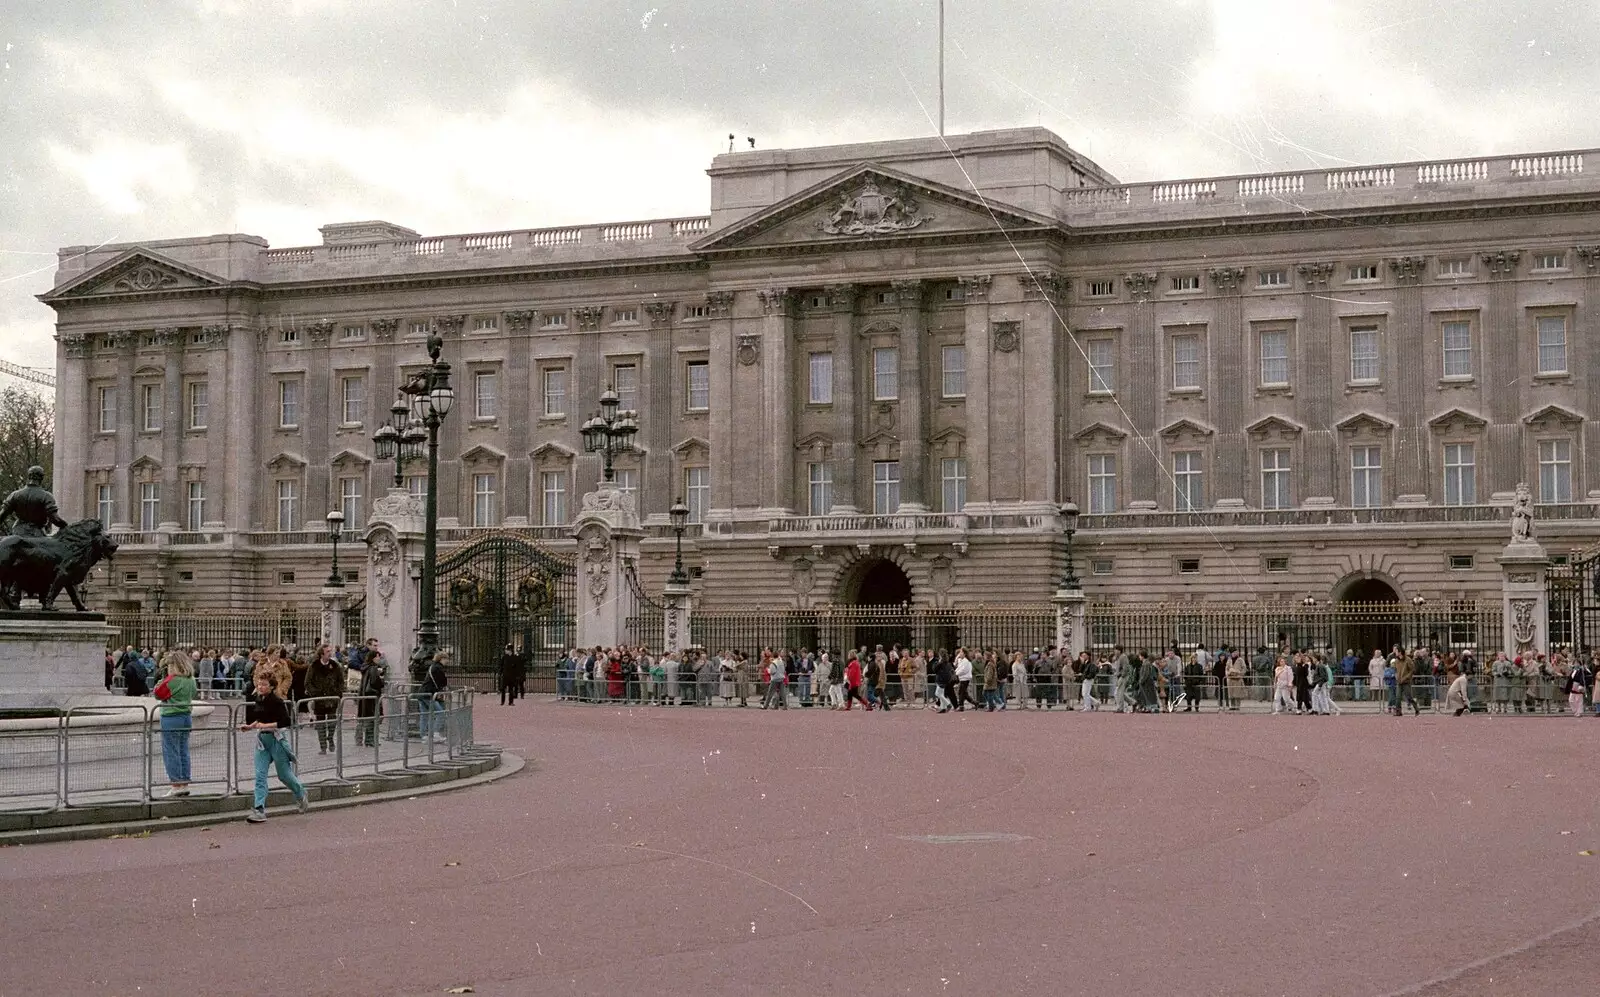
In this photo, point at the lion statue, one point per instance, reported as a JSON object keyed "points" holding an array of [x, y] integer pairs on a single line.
{"points": [[42, 567]]}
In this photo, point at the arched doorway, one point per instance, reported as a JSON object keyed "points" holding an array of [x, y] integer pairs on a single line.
{"points": [[879, 594], [1370, 616]]}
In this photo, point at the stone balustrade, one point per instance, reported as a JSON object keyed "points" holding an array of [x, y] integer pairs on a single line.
{"points": [[1505, 176], [618, 239]]}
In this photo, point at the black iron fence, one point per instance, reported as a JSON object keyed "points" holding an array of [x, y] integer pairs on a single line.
{"points": [[1362, 627], [842, 627], [223, 631]]}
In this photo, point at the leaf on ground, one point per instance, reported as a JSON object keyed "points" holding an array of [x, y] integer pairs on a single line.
{"points": [[448, 865], [213, 845], [1586, 852], [460, 990]]}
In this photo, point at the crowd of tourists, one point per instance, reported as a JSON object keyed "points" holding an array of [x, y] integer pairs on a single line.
{"points": [[1117, 679], [277, 682]]}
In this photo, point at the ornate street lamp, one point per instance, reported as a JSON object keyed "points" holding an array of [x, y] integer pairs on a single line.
{"points": [[335, 527], [610, 433], [425, 401], [679, 516], [1069, 526], [400, 439]]}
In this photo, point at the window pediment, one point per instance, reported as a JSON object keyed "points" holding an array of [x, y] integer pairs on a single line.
{"points": [[1364, 422], [552, 453], [1100, 432], [1457, 420], [351, 460], [482, 454], [287, 462], [1186, 429], [692, 448], [1553, 415], [1274, 427]]}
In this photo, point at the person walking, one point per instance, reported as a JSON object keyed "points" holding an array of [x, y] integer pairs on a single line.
{"points": [[374, 675], [176, 691], [1283, 686], [1456, 697], [506, 675], [1088, 671], [434, 683], [324, 685], [1404, 672], [852, 685], [963, 669], [271, 722]]}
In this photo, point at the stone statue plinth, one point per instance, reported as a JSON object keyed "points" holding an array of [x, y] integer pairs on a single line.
{"points": [[54, 660], [1072, 620], [1524, 601], [608, 535]]}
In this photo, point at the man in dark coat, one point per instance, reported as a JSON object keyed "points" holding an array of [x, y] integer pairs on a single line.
{"points": [[510, 675]]}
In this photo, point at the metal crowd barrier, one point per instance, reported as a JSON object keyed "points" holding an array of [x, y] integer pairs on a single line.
{"points": [[94, 757], [1251, 693]]}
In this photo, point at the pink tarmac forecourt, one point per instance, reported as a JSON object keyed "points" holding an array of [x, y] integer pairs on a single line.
{"points": [[676, 851]]}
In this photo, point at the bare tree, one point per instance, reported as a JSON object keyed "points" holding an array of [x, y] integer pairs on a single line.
{"points": [[27, 435]]}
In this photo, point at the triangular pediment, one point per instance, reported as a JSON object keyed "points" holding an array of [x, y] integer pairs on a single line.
{"points": [[1458, 417], [691, 445], [950, 433], [287, 461], [1184, 427], [1274, 424], [867, 203], [137, 271], [1369, 421], [1553, 415], [553, 451], [350, 458], [145, 463], [1100, 429], [814, 441], [482, 454], [886, 435]]}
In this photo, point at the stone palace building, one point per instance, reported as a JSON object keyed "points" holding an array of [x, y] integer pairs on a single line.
{"points": [[873, 373]]}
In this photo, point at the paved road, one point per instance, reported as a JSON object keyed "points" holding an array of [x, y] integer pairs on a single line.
{"points": [[672, 851]]}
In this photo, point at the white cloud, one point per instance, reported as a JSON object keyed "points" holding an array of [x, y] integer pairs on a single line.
{"points": [[116, 170]]}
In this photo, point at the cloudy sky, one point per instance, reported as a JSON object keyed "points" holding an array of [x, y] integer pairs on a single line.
{"points": [[124, 120]]}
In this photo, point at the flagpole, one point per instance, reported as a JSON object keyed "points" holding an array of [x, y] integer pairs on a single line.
{"points": [[941, 68]]}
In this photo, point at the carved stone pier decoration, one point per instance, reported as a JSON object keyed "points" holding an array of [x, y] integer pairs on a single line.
{"points": [[608, 534], [394, 540], [1525, 603]]}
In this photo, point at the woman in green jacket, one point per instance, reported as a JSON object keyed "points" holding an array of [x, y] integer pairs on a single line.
{"points": [[176, 692]]}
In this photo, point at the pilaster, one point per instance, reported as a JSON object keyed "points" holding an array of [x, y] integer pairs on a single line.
{"points": [[170, 342], [842, 299], [976, 342], [245, 398], [659, 404], [1314, 383], [778, 398], [1142, 353], [1503, 336], [719, 332], [1414, 456], [913, 403], [1230, 373]]}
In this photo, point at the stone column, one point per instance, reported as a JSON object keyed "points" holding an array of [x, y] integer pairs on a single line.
{"points": [[127, 497], [675, 620], [246, 405], [778, 389], [719, 333], [1524, 603], [173, 420], [1226, 382], [975, 337], [1072, 620], [1403, 359], [335, 600], [913, 404], [1141, 352], [394, 541], [608, 534], [72, 427], [842, 299], [515, 415]]}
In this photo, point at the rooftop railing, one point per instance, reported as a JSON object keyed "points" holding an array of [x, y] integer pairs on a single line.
{"points": [[1254, 194], [617, 239]]}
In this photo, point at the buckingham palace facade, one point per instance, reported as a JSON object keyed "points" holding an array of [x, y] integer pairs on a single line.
{"points": [[873, 372]]}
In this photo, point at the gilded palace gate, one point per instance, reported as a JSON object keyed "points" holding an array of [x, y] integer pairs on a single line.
{"points": [[505, 589]]}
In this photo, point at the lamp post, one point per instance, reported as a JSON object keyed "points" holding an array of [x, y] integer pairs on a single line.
{"points": [[335, 527], [610, 433], [1069, 526], [1417, 602], [679, 516], [400, 439], [428, 398]]}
